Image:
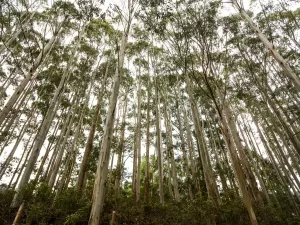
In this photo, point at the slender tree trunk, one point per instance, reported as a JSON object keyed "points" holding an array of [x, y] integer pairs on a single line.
{"points": [[261, 182], [25, 152], [58, 146], [191, 152], [281, 61], [158, 145], [170, 150], [90, 140], [45, 156], [60, 154], [237, 169], [70, 158], [147, 175], [6, 163], [274, 164], [121, 148], [138, 139], [243, 158], [219, 165], [25, 160], [183, 149], [102, 168], [205, 160], [15, 116], [110, 174], [38, 61], [135, 160]]}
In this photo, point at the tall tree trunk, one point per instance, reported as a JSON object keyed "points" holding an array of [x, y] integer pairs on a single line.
{"points": [[45, 156], [45, 126], [26, 154], [38, 61], [57, 162], [90, 140], [58, 145], [70, 157], [274, 164], [205, 160], [135, 160], [138, 139], [170, 150], [218, 164], [184, 153], [11, 154], [259, 177], [121, 148], [243, 158], [281, 61], [147, 175], [158, 145], [237, 168], [102, 168]]}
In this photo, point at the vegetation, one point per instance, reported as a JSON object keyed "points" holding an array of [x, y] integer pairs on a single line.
{"points": [[150, 112]]}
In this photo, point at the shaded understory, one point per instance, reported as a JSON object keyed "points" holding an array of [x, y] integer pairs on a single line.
{"points": [[69, 208]]}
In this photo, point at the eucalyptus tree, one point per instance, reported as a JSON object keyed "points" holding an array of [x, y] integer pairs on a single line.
{"points": [[120, 147], [46, 123], [271, 47], [138, 49], [93, 29], [102, 168], [169, 140], [65, 9], [207, 27], [195, 87]]}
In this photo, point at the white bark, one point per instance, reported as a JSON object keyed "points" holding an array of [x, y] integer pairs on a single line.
{"points": [[45, 126], [11, 102], [281, 61], [138, 141], [11, 154], [102, 168], [60, 154]]}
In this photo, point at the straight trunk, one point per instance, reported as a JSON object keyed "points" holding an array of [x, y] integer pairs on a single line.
{"points": [[121, 148], [184, 153], [45, 126], [237, 169], [243, 158], [25, 152], [38, 61], [58, 145], [90, 140], [170, 150], [214, 147], [281, 61], [205, 160], [70, 159], [102, 168], [45, 156], [138, 140], [60, 154], [147, 175], [11, 154], [158, 146], [261, 182]]}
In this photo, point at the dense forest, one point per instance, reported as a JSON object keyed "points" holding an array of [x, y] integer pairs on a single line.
{"points": [[178, 112]]}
